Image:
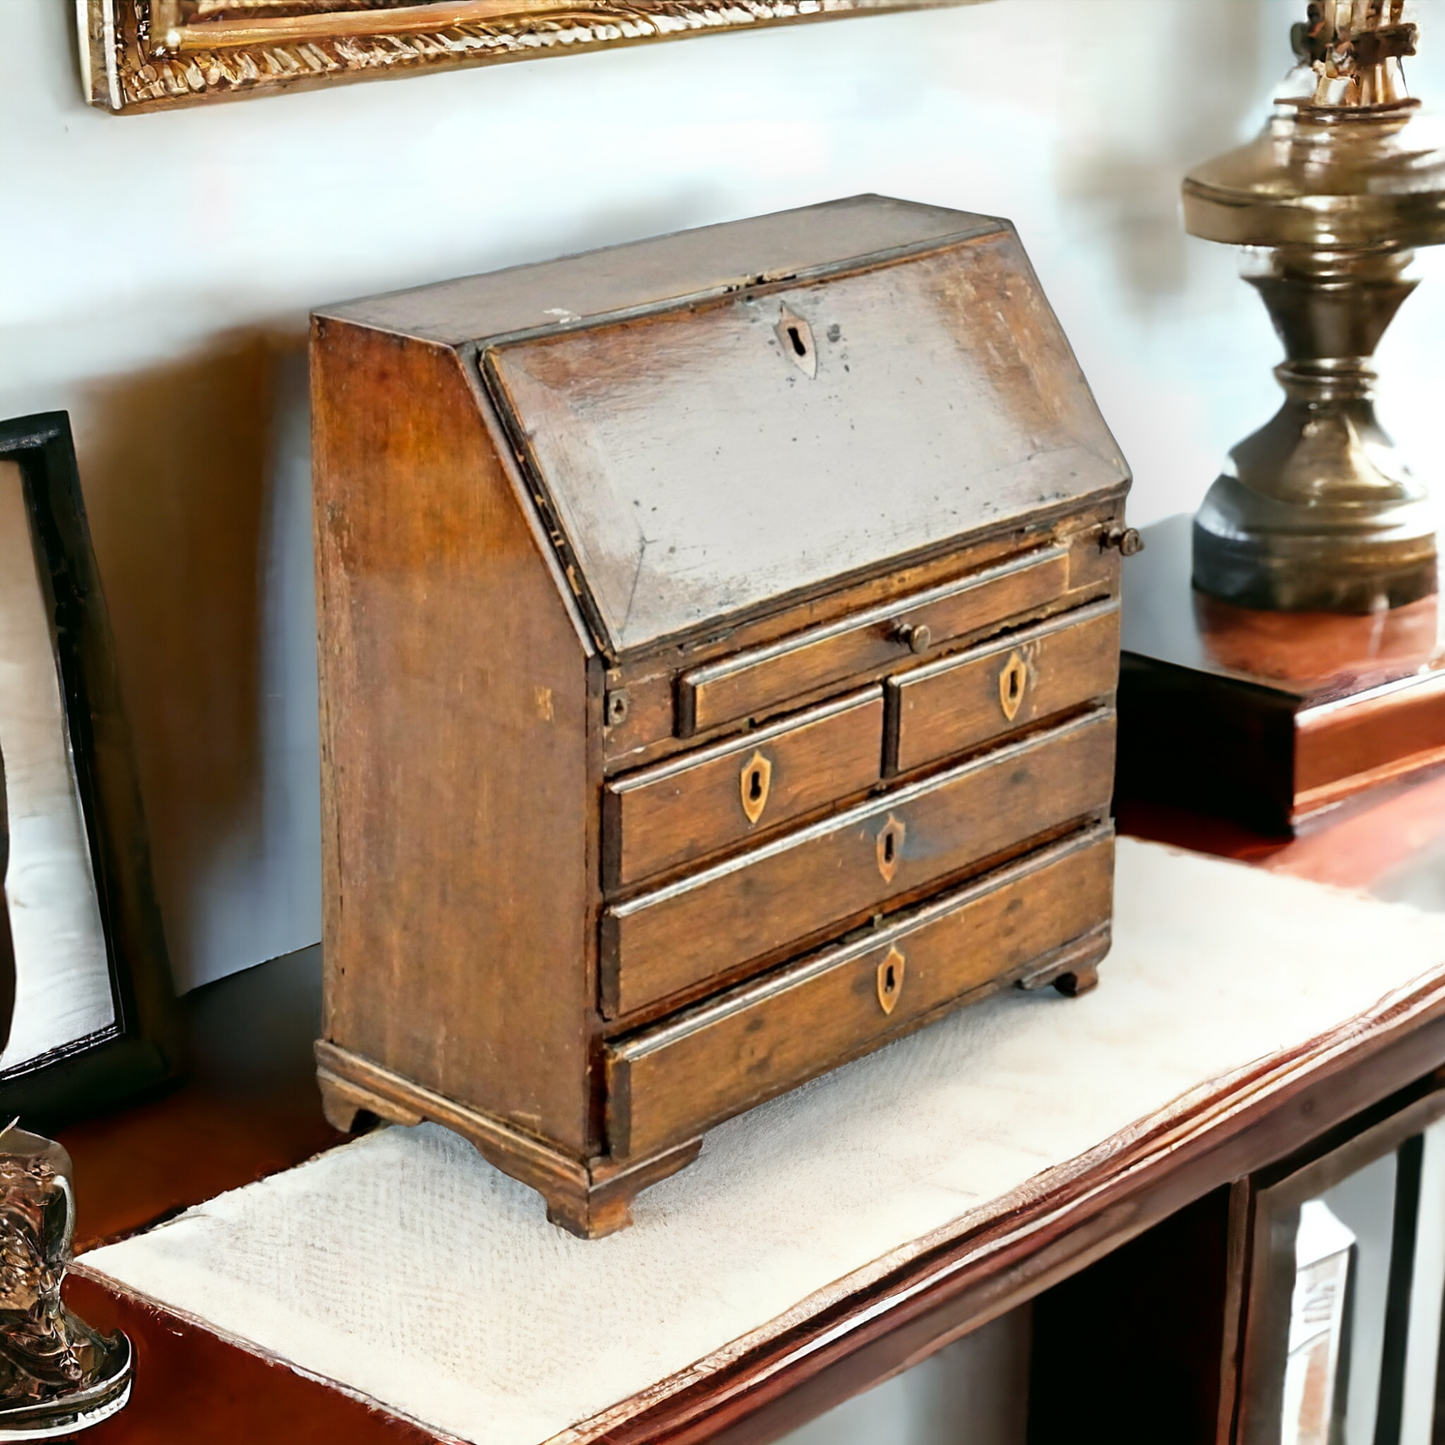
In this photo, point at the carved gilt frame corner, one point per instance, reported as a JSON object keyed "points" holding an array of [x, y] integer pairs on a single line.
{"points": [[151, 54]]}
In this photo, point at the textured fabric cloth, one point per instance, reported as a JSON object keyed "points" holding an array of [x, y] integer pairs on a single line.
{"points": [[406, 1269]]}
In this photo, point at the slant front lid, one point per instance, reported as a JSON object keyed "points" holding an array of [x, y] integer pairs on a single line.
{"points": [[713, 459]]}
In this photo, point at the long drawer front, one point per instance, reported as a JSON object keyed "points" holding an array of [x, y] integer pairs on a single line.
{"points": [[762, 680], [821, 878], [671, 1081]]}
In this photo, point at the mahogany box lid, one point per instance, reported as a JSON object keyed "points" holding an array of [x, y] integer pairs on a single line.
{"points": [[1269, 717], [715, 423]]}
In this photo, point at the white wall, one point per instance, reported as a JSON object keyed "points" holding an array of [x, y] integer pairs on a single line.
{"points": [[156, 271]]}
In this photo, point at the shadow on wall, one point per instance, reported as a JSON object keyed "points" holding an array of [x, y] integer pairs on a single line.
{"points": [[197, 483], [178, 466], [1211, 64]]}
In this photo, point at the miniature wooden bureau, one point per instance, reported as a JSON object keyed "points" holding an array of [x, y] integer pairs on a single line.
{"points": [[718, 638]]}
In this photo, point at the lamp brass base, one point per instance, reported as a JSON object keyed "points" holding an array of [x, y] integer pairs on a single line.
{"points": [[1318, 511], [1252, 551]]}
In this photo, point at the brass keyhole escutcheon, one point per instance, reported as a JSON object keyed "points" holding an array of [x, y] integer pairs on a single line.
{"points": [[890, 979], [890, 847], [1013, 682], [796, 338], [757, 778]]}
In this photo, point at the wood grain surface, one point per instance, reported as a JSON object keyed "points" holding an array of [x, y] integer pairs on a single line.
{"points": [[191, 1386], [553, 547], [653, 730], [798, 471], [708, 1063], [454, 717], [679, 812], [829, 876], [759, 681], [687, 266], [1359, 742], [1269, 717], [958, 703]]}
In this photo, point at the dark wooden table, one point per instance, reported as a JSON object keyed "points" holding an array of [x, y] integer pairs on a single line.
{"points": [[249, 1107]]}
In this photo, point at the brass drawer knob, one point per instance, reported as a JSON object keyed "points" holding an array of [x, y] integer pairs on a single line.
{"points": [[756, 780], [917, 637], [1126, 539], [890, 847], [1013, 682], [890, 979]]}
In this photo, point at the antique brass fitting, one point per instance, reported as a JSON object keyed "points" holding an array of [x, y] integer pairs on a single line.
{"points": [[1318, 511], [57, 1375]]}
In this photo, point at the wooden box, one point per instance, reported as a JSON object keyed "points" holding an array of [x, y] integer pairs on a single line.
{"points": [[719, 639], [1272, 718]]}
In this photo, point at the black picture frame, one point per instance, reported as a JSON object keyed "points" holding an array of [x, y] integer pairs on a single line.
{"points": [[139, 1052], [1265, 1210]]}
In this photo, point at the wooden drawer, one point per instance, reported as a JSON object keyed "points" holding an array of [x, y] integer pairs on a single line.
{"points": [[673, 1080], [785, 893], [765, 678], [959, 702], [685, 809]]}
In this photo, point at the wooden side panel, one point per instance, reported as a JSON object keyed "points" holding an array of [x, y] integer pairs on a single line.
{"points": [[1092, 563], [668, 815], [1195, 740], [953, 705], [1151, 1313], [823, 878], [669, 1082], [454, 719]]}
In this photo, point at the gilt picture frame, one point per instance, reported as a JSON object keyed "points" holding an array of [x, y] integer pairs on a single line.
{"points": [[87, 1007], [139, 55]]}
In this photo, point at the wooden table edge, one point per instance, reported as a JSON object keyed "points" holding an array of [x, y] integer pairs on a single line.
{"points": [[843, 1342], [894, 1312]]}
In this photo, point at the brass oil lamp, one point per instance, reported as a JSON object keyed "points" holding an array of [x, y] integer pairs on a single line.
{"points": [[1317, 511]]}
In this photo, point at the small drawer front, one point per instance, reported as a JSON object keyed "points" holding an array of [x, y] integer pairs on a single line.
{"points": [[688, 808], [673, 1080], [955, 704], [807, 883], [766, 678]]}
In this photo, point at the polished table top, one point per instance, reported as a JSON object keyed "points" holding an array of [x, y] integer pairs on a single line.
{"points": [[1314, 656], [249, 1108]]}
